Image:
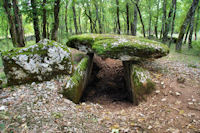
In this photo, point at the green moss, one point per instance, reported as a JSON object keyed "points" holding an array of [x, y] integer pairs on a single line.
{"points": [[33, 49], [76, 83], [115, 46]]}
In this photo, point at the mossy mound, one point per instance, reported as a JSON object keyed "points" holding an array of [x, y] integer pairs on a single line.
{"points": [[77, 82], [122, 47], [38, 62]]}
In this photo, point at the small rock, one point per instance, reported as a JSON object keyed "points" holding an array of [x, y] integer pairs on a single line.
{"points": [[157, 91], [178, 94], [164, 99], [190, 103], [3, 108], [180, 79], [149, 127]]}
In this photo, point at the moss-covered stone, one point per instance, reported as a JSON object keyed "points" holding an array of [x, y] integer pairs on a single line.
{"points": [[122, 47], [38, 62], [77, 82], [138, 82]]}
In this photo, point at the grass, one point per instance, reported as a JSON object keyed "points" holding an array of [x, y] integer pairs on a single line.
{"points": [[190, 57]]}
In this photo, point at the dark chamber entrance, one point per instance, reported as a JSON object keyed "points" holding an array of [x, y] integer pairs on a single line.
{"points": [[106, 82]]}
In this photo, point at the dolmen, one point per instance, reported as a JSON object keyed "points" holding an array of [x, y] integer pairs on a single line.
{"points": [[49, 59]]}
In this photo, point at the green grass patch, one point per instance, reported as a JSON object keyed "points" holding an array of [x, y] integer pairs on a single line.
{"points": [[187, 56]]}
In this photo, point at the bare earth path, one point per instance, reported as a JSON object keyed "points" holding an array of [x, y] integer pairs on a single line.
{"points": [[173, 107]]}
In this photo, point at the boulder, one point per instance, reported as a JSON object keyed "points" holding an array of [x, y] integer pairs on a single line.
{"points": [[38, 62], [138, 82], [75, 85], [121, 47]]}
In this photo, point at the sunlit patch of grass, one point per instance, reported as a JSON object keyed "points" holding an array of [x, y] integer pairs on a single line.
{"points": [[190, 57]]}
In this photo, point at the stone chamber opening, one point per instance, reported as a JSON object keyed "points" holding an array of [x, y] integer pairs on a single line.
{"points": [[107, 83]]}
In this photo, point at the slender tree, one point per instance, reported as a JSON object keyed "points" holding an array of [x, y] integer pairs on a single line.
{"points": [[118, 21], [197, 20], [18, 25], [74, 17], [173, 23], [44, 20], [35, 20], [98, 17], [13, 33], [56, 20], [190, 13], [157, 15], [168, 21], [150, 15], [191, 32], [163, 18], [66, 15], [127, 17]]}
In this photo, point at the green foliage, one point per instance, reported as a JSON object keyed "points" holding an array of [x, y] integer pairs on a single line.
{"points": [[196, 45]]}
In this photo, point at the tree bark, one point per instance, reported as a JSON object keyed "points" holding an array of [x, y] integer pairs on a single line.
{"points": [[156, 24], [196, 25], [56, 20], [187, 32], [134, 24], [127, 18], [98, 18], [185, 23], [150, 16], [173, 22], [35, 20], [191, 33], [44, 20], [118, 21], [79, 21], [13, 34], [18, 25], [74, 17], [168, 22], [163, 18], [140, 15]]}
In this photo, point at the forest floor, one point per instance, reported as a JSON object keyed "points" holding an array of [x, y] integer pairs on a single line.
{"points": [[173, 107]]}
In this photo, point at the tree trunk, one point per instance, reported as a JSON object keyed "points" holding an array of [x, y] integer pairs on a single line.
{"points": [[127, 18], [13, 34], [74, 17], [173, 22], [185, 23], [35, 20], [187, 32], [66, 9], [163, 18], [196, 25], [98, 18], [191, 32], [141, 20], [118, 21], [168, 22], [156, 24], [18, 25], [134, 24], [150, 16], [44, 20], [79, 20], [56, 20]]}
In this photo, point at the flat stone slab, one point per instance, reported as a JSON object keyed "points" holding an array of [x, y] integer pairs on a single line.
{"points": [[121, 47]]}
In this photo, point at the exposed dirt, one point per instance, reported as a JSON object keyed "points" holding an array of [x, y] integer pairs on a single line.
{"points": [[172, 108]]}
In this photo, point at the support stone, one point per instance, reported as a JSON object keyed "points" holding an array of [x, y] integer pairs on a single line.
{"points": [[138, 81], [78, 81]]}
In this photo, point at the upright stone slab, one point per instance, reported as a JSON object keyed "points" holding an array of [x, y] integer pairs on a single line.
{"points": [[138, 82], [38, 62], [76, 84]]}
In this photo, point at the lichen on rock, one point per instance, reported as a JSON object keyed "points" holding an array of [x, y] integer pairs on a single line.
{"points": [[138, 82], [118, 46], [76, 84], [38, 62]]}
